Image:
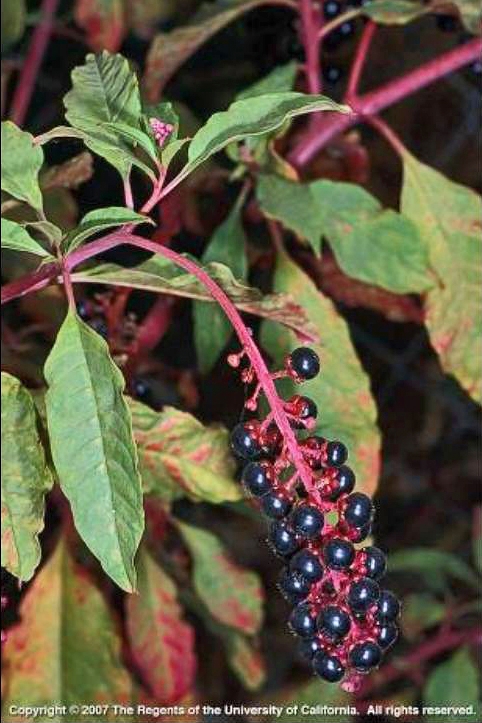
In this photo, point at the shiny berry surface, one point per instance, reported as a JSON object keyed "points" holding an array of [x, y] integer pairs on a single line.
{"points": [[363, 594], [388, 606], [302, 621], [308, 647], [276, 505], [387, 636], [256, 479], [365, 656], [307, 564], [328, 667], [307, 521], [243, 443], [283, 538], [358, 510], [293, 586], [304, 362], [375, 562], [336, 454], [338, 554], [334, 622]]}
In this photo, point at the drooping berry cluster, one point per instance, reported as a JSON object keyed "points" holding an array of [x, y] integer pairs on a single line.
{"points": [[344, 619]]}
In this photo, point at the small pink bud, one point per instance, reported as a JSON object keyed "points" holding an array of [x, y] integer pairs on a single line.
{"points": [[161, 130]]}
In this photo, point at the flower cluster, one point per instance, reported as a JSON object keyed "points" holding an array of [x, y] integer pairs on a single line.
{"points": [[161, 130], [344, 619]]}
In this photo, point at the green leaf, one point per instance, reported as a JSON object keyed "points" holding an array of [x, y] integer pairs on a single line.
{"points": [[252, 117], [179, 456], [342, 390], [49, 230], [21, 163], [470, 13], [374, 245], [66, 646], [280, 79], [448, 217], [25, 480], [212, 329], [101, 219], [232, 594], [244, 659], [169, 51], [452, 685], [477, 538], [162, 276], [93, 448], [161, 642], [104, 92], [394, 12], [421, 611], [14, 15], [15, 237], [436, 567]]}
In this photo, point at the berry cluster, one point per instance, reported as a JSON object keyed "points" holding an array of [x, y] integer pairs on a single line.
{"points": [[161, 130], [344, 619]]}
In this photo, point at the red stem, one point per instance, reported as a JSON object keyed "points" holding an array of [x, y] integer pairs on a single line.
{"points": [[30, 282], [33, 61], [448, 640], [310, 25], [332, 124], [359, 60], [389, 135]]}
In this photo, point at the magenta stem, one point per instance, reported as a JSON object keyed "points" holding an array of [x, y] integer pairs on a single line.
{"points": [[33, 61], [360, 59], [329, 125], [310, 25], [389, 135]]}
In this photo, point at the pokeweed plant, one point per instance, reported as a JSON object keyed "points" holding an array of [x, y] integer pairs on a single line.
{"points": [[118, 462]]}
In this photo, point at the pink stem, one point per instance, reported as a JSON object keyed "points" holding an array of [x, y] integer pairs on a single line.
{"points": [[310, 24], [332, 124], [389, 135], [360, 59], [29, 283], [33, 61]]}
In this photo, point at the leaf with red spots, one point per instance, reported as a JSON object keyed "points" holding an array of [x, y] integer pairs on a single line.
{"points": [[245, 660], [103, 22], [232, 594], [180, 456], [66, 648], [162, 644], [342, 390]]}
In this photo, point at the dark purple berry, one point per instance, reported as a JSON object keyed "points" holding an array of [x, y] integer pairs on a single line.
{"points": [[243, 443], [338, 554], [304, 362], [345, 482], [293, 586], [307, 564], [100, 327], [302, 621], [331, 9], [308, 647], [336, 454], [276, 505], [141, 388], [307, 521], [328, 667], [256, 479], [387, 636], [388, 607], [332, 74], [334, 622], [358, 510], [365, 656], [363, 594], [346, 29], [283, 538], [358, 534], [83, 309], [375, 562]]}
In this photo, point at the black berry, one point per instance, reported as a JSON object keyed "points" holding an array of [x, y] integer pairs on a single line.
{"points": [[308, 647], [332, 74], [276, 505], [283, 538], [358, 510], [388, 607], [302, 621], [243, 443], [307, 521], [365, 656], [100, 327], [375, 562], [334, 622], [362, 594], [336, 454], [338, 554], [293, 586], [141, 388], [307, 564], [387, 636], [328, 667], [346, 29], [345, 482], [83, 309], [304, 362], [331, 9], [256, 479]]}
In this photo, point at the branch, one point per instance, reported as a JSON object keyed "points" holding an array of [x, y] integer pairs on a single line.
{"points": [[332, 124], [33, 61], [30, 282], [310, 23], [359, 62]]}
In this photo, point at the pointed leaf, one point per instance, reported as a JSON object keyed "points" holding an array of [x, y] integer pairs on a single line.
{"points": [[448, 217], [105, 91], [21, 163], [471, 15], [212, 329], [17, 238], [245, 660], [66, 647], [436, 566], [25, 480], [421, 611], [179, 456], [161, 276], [281, 78], [162, 643], [394, 12], [232, 594], [93, 448], [252, 117], [453, 684], [101, 219], [341, 391], [104, 22]]}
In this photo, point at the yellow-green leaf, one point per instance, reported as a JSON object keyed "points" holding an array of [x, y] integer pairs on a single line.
{"points": [[454, 685], [21, 163], [25, 480], [17, 238]]}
